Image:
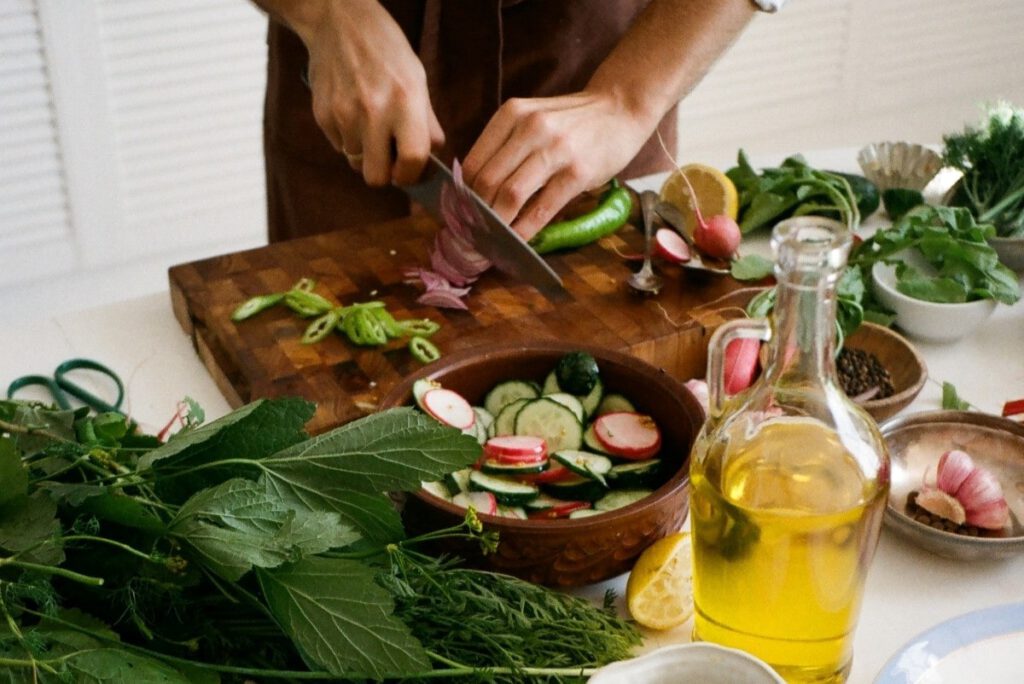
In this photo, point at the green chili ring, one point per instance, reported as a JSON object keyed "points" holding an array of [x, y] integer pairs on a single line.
{"points": [[348, 326], [611, 213], [370, 328], [251, 307], [391, 327], [423, 327], [306, 303], [423, 350], [321, 327]]}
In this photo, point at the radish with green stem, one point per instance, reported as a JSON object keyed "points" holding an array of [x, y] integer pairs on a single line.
{"points": [[718, 236]]}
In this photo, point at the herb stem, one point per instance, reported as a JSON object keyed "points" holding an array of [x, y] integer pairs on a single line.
{"points": [[51, 570], [14, 428], [124, 547]]}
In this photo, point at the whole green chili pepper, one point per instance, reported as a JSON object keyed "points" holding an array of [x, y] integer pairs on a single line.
{"points": [[423, 350], [610, 215], [253, 306], [322, 327]]}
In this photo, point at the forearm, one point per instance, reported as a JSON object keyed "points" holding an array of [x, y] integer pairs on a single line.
{"points": [[667, 51]]}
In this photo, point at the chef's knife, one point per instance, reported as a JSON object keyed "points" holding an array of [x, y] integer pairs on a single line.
{"points": [[492, 237]]}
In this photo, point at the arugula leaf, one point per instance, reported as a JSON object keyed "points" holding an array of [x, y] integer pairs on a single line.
{"points": [[13, 476], [341, 619], [951, 401], [32, 529], [752, 267], [239, 524]]}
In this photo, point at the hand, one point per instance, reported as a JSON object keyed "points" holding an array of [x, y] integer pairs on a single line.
{"points": [[370, 92], [536, 154]]}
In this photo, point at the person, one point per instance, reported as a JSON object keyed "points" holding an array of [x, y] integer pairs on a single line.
{"points": [[540, 99]]}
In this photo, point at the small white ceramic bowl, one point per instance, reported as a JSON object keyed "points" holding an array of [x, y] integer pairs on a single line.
{"points": [[697, 663], [928, 321]]}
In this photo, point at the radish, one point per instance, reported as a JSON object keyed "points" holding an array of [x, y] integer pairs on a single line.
{"points": [[671, 246], [556, 472], [699, 389], [717, 237], [482, 502], [449, 408], [628, 435], [741, 358], [516, 449], [560, 511]]}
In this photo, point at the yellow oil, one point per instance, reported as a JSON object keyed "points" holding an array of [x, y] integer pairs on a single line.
{"points": [[785, 524]]}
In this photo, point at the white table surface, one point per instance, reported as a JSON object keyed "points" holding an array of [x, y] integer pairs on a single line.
{"points": [[908, 589]]}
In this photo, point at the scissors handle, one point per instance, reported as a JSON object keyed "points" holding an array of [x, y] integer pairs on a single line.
{"points": [[83, 394], [42, 381]]}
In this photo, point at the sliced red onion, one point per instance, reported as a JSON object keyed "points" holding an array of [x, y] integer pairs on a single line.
{"points": [[446, 269], [445, 299], [468, 263]]}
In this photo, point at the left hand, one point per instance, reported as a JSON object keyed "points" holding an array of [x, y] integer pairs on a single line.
{"points": [[536, 154]]}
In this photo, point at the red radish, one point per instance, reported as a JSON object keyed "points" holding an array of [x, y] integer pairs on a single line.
{"points": [[560, 511], [628, 435], [516, 447], [483, 502], [449, 408], [741, 358], [671, 246], [555, 472], [717, 237]]}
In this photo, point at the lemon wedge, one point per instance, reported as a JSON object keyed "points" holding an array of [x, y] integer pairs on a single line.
{"points": [[659, 592], [716, 193]]}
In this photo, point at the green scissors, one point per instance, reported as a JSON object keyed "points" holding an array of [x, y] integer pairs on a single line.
{"points": [[60, 386]]}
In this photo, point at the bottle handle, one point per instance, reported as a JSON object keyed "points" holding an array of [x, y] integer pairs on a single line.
{"points": [[740, 328]]}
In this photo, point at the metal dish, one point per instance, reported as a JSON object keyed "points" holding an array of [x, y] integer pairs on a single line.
{"points": [[1010, 251], [699, 662], [916, 441]]}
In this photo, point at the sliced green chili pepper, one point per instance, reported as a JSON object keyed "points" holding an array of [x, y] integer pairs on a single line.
{"points": [[391, 327], [348, 326], [321, 327], [424, 327], [306, 303], [423, 350], [371, 330], [610, 215], [304, 285], [253, 306]]}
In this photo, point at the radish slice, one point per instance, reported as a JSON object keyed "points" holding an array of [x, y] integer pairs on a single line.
{"points": [[516, 449], [628, 435], [741, 364], [449, 408], [560, 511], [671, 246], [556, 472], [483, 502]]}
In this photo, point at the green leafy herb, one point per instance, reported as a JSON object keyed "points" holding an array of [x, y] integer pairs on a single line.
{"points": [[951, 400], [751, 267], [993, 176], [243, 549]]}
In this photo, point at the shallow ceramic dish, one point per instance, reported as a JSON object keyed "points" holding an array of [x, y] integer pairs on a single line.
{"points": [[906, 367], [585, 550], [916, 442], [982, 646], [929, 321], [697, 663], [1010, 251]]}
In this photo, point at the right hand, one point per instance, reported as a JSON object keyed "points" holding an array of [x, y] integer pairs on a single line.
{"points": [[370, 92]]}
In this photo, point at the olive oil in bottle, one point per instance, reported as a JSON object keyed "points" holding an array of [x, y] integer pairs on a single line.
{"points": [[788, 480]]}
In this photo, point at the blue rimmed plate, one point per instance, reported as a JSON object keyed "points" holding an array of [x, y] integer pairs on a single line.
{"points": [[983, 646]]}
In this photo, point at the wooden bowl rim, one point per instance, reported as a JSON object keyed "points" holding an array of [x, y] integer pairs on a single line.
{"points": [[679, 481], [907, 395]]}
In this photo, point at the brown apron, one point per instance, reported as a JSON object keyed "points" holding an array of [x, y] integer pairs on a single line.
{"points": [[548, 47]]}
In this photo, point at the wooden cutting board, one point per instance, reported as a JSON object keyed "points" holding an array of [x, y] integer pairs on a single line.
{"points": [[263, 357]]}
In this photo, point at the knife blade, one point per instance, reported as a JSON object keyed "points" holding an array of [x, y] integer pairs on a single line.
{"points": [[492, 237]]}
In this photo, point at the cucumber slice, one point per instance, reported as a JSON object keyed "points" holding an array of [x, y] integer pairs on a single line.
{"points": [[635, 474], [584, 513], [483, 417], [515, 512], [584, 463], [438, 489], [550, 384], [593, 399], [570, 402], [504, 393], [505, 490], [577, 489], [615, 403], [621, 498], [458, 481], [552, 421], [591, 442], [492, 467], [543, 501], [421, 387], [505, 422]]}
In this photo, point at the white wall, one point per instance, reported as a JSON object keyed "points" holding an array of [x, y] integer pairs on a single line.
{"points": [[130, 129]]}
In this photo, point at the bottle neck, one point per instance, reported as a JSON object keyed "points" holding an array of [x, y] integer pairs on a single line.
{"points": [[804, 332]]}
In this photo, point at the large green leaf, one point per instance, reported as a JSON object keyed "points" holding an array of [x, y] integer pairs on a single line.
{"points": [[31, 528], [56, 423], [13, 476], [239, 524], [373, 515], [111, 665], [340, 618]]}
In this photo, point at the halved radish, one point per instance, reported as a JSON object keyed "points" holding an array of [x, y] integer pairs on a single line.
{"points": [[628, 435], [483, 502], [516, 449], [671, 246], [559, 511], [741, 364], [449, 407]]}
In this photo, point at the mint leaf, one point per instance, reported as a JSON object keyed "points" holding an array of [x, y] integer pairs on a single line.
{"points": [[751, 267], [239, 524], [951, 400], [13, 476], [116, 665], [32, 529], [341, 619]]}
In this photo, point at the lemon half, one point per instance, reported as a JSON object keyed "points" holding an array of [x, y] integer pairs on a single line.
{"points": [[716, 193], [659, 592]]}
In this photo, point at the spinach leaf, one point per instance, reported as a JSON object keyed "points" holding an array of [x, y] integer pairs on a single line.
{"points": [[31, 528]]}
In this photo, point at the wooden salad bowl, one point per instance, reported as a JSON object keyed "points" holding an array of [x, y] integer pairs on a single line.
{"points": [[566, 552]]}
